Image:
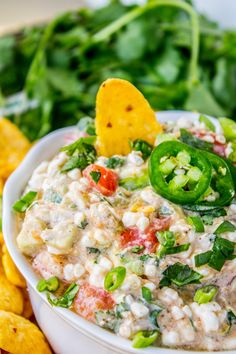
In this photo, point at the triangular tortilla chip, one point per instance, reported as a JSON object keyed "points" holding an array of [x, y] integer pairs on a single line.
{"points": [[13, 147], [123, 115]]}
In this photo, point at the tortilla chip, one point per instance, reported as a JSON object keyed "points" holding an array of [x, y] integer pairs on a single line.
{"points": [[1, 238], [13, 147], [123, 115], [27, 311], [19, 336], [12, 273], [11, 298]]}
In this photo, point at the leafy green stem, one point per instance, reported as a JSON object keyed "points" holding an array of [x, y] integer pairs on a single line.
{"points": [[138, 11]]}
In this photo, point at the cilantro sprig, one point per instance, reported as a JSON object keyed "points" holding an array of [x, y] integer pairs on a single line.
{"points": [[180, 274], [222, 250], [82, 153]]}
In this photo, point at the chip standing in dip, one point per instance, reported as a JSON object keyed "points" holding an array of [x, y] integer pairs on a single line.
{"points": [[140, 242]]}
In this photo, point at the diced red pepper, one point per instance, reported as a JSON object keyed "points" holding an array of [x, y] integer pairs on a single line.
{"points": [[132, 236], [218, 148], [107, 181], [90, 299]]}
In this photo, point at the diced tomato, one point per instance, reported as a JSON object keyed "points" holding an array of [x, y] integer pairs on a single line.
{"points": [[132, 236], [90, 299], [218, 148], [106, 183]]}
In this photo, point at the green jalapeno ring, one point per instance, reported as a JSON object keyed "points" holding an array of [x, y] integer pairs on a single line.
{"points": [[158, 178], [144, 339], [114, 278], [221, 182]]}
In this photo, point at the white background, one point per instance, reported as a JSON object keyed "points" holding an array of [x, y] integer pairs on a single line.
{"points": [[15, 13]]}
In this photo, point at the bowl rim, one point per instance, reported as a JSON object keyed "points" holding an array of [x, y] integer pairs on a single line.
{"points": [[12, 190]]}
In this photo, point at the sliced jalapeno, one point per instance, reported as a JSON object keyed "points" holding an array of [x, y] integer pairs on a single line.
{"points": [[221, 183], [178, 172]]}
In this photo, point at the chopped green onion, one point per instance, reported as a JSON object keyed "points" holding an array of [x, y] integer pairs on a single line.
{"points": [[205, 294], [144, 339], [51, 284], [166, 238], [207, 122], [24, 202], [146, 294], [226, 226], [114, 278], [65, 300], [196, 222]]}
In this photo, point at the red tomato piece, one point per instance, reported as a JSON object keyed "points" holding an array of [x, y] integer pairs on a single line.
{"points": [[218, 148], [90, 299], [156, 225], [107, 181], [132, 236]]}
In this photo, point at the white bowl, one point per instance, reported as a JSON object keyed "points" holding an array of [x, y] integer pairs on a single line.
{"points": [[66, 332]]}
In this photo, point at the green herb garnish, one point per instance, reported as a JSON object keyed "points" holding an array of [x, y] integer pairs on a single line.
{"points": [[82, 153], [180, 275], [226, 226], [222, 251], [143, 146], [96, 175], [114, 162], [93, 250]]}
